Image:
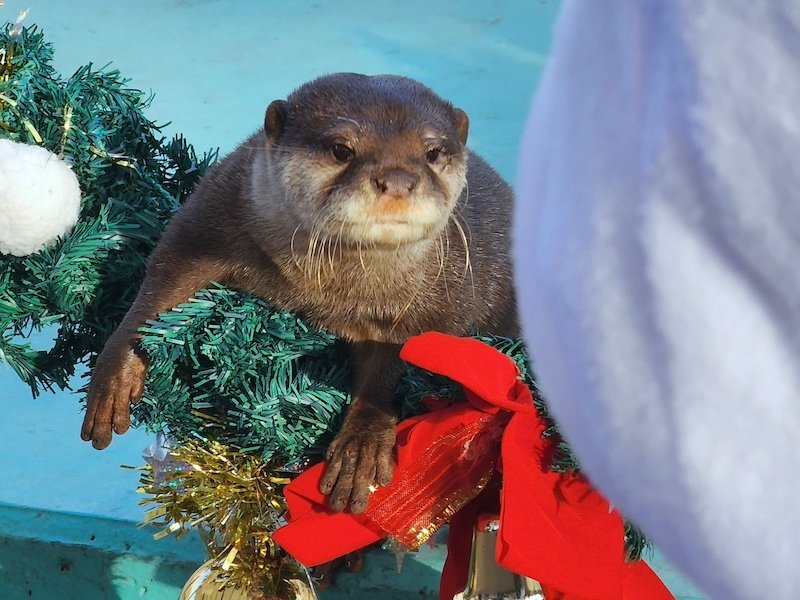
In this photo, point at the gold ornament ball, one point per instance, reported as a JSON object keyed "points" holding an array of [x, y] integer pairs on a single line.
{"points": [[204, 584]]}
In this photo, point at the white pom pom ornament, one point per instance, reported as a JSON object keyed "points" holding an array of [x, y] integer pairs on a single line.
{"points": [[39, 198]]}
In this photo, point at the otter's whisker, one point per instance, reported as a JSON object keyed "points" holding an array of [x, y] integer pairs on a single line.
{"points": [[329, 253], [466, 198], [318, 249], [402, 313], [442, 271], [295, 258], [312, 246], [447, 237], [467, 262], [339, 239], [408, 304], [361, 258], [321, 259]]}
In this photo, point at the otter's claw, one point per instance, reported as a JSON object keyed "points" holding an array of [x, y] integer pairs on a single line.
{"points": [[117, 382], [359, 456]]}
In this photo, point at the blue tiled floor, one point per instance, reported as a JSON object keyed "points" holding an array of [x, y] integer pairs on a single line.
{"points": [[214, 65]]}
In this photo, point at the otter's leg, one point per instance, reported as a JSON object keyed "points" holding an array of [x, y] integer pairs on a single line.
{"points": [[362, 452], [175, 272]]}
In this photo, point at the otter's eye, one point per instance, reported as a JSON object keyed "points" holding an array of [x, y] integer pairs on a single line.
{"points": [[342, 153], [433, 154]]}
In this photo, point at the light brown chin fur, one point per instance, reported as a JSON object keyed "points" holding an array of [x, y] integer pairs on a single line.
{"points": [[387, 234]]}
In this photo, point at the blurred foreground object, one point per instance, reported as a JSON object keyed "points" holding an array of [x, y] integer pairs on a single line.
{"points": [[656, 241]]}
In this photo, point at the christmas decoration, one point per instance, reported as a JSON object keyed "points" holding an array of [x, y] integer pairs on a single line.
{"points": [[229, 367], [399, 551], [451, 463], [233, 499], [205, 584], [131, 182], [39, 198], [247, 393], [486, 580]]}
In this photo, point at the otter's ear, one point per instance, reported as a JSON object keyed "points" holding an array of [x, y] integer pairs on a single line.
{"points": [[462, 124], [275, 119]]}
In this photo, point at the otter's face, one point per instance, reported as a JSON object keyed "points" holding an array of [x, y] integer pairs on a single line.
{"points": [[374, 160]]}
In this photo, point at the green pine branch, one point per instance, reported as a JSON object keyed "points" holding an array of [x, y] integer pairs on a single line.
{"points": [[132, 181]]}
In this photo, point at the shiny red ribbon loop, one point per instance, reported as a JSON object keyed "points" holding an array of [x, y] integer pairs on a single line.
{"points": [[554, 527]]}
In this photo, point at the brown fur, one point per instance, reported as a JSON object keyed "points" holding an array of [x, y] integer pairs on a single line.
{"points": [[376, 249]]}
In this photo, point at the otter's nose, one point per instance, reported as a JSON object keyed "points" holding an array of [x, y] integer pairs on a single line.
{"points": [[396, 183]]}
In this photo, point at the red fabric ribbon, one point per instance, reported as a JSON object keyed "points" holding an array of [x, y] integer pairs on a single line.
{"points": [[554, 527]]}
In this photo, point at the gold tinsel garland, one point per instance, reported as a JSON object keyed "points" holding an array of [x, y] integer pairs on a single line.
{"points": [[234, 501], [7, 52]]}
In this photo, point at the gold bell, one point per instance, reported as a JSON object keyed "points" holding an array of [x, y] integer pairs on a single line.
{"points": [[486, 579]]}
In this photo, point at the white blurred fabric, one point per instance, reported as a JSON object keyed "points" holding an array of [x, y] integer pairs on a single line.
{"points": [[657, 248]]}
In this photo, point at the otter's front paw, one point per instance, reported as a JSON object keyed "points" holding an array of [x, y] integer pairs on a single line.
{"points": [[359, 456], [117, 382]]}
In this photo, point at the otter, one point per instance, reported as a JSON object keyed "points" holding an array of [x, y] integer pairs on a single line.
{"points": [[359, 207]]}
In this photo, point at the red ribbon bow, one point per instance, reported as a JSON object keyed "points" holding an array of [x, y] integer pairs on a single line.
{"points": [[554, 527]]}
